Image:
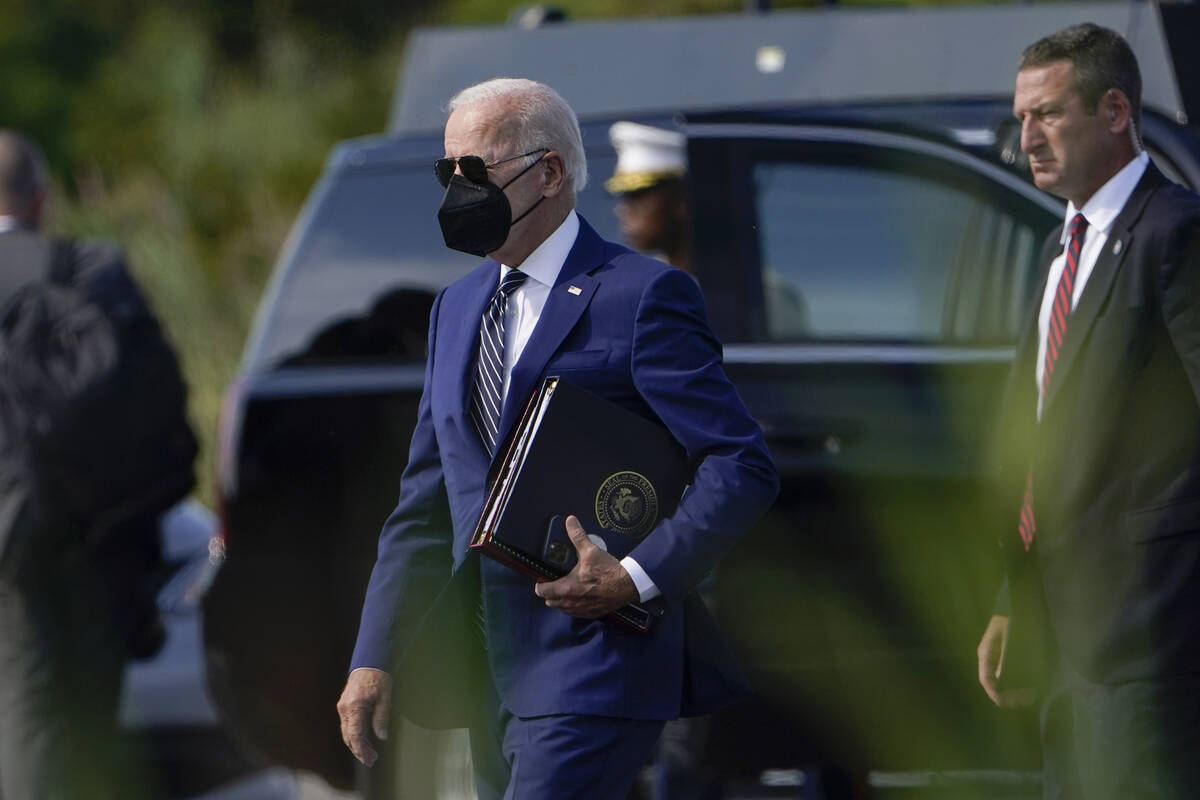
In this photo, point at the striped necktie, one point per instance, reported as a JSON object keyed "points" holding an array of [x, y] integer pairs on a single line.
{"points": [[487, 397], [1060, 312]]}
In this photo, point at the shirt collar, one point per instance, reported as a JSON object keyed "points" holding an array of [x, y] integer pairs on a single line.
{"points": [[1102, 208], [544, 263]]}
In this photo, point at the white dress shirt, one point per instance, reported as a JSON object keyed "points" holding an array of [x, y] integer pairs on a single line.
{"points": [[8, 223], [1100, 212], [525, 306]]}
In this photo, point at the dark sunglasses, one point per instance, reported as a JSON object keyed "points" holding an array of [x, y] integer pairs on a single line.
{"points": [[473, 167]]}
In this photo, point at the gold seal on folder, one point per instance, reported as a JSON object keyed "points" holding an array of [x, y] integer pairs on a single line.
{"points": [[627, 502]]}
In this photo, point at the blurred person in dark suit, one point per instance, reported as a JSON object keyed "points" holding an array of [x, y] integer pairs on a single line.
{"points": [[1101, 442], [75, 603]]}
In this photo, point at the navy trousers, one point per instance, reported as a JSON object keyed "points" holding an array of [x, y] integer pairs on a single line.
{"points": [[561, 757]]}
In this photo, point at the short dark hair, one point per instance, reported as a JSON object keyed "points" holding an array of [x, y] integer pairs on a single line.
{"points": [[22, 171], [1101, 59]]}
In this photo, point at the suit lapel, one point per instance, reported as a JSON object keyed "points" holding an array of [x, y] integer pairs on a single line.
{"points": [[462, 330], [1100, 282], [569, 297]]}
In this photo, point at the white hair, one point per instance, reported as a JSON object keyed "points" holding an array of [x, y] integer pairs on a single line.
{"points": [[539, 117]]}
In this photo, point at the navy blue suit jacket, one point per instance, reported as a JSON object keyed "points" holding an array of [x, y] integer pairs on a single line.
{"points": [[633, 330]]}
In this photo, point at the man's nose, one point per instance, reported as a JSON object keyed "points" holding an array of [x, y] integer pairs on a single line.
{"points": [[1031, 134]]}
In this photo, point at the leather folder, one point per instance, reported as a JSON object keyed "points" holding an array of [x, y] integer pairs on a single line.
{"points": [[576, 453]]}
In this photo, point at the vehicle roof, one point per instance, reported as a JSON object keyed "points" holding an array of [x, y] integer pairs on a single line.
{"points": [[383, 148], [970, 124], [784, 58]]}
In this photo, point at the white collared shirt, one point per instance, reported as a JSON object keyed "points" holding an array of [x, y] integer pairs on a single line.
{"points": [[8, 223], [1100, 211], [526, 303], [525, 306]]}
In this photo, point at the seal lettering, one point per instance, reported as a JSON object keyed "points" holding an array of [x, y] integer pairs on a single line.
{"points": [[626, 502]]}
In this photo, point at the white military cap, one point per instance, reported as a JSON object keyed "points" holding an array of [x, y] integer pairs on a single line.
{"points": [[645, 156]]}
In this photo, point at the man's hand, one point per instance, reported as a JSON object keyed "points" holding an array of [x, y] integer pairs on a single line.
{"points": [[597, 585], [367, 698], [990, 655]]}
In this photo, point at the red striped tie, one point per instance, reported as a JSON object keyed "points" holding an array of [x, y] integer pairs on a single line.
{"points": [[1059, 313]]}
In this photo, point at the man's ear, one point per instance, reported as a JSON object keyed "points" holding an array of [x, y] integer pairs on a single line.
{"points": [[1117, 111], [555, 172]]}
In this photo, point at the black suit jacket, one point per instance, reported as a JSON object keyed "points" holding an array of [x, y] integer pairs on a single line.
{"points": [[1116, 456], [98, 270]]}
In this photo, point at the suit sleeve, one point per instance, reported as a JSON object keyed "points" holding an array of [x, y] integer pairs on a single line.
{"points": [[1002, 604], [677, 370], [414, 558], [1179, 288], [101, 274]]}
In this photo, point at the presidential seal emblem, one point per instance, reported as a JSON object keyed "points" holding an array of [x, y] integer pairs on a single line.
{"points": [[626, 502]]}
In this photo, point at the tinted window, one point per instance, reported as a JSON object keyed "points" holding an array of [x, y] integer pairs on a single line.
{"points": [[856, 251], [366, 267], [368, 263]]}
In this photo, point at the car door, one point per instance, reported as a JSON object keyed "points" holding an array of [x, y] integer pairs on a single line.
{"points": [[868, 286]]}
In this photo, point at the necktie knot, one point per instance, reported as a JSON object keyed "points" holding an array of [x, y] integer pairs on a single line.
{"points": [[1079, 225], [510, 282]]}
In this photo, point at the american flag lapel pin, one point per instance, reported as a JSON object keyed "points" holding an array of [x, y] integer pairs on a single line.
{"points": [[1117, 247], [575, 290]]}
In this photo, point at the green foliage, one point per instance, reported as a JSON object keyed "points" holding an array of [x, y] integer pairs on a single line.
{"points": [[47, 52]]}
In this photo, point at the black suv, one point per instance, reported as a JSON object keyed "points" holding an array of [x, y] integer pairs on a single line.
{"points": [[866, 239]]}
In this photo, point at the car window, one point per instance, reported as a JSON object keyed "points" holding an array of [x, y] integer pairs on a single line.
{"points": [[853, 250], [368, 263], [364, 272]]}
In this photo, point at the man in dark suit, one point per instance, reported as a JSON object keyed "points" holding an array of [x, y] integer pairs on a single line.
{"points": [[62, 618], [1101, 440], [567, 705]]}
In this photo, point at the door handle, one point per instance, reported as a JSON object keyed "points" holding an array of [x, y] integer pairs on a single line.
{"points": [[815, 438]]}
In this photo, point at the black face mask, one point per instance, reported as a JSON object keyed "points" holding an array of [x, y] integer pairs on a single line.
{"points": [[476, 217]]}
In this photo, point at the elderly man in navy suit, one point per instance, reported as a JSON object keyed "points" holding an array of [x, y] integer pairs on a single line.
{"points": [[1102, 437], [562, 704]]}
